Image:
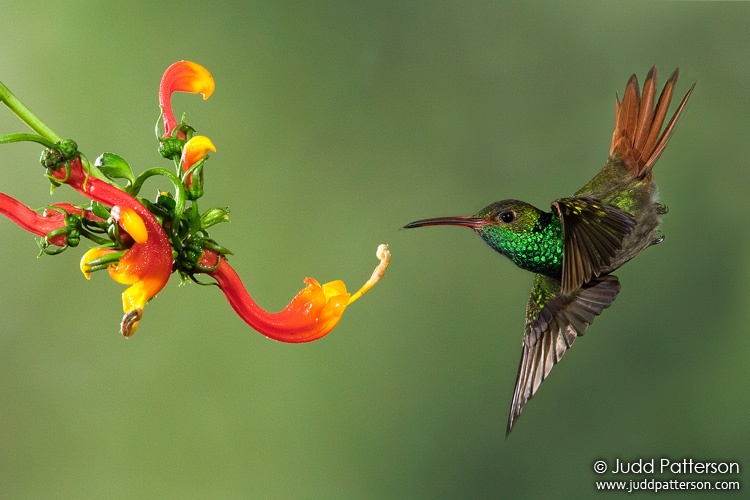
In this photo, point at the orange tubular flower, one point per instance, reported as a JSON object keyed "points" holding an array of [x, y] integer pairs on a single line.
{"points": [[193, 152], [182, 76], [311, 314], [147, 265]]}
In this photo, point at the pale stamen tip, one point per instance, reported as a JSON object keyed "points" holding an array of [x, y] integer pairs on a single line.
{"points": [[384, 254], [130, 322]]}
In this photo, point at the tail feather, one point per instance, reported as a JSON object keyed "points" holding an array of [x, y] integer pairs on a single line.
{"points": [[638, 137], [646, 113]]}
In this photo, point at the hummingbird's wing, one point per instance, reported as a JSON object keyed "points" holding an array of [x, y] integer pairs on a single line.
{"points": [[553, 322], [593, 233]]}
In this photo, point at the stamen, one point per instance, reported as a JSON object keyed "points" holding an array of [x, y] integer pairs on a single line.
{"points": [[130, 322], [385, 258]]}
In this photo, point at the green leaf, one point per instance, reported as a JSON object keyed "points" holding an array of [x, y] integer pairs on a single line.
{"points": [[114, 167]]}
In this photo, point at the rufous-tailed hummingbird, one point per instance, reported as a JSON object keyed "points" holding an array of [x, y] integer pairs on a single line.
{"points": [[574, 248]]}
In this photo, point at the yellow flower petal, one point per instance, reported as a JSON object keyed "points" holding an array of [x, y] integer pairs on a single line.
{"points": [[135, 297], [195, 150], [130, 222], [335, 289], [90, 256]]}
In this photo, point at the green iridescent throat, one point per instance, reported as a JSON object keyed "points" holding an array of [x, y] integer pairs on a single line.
{"points": [[538, 249]]}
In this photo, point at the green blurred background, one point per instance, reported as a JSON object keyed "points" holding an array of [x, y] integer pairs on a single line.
{"points": [[336, 123]]}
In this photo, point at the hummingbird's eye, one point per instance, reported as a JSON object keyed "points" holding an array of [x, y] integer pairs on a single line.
{"points": [[508, 216]]}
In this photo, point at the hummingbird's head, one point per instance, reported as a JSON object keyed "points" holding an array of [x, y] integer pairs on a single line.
{"points": [[507, 226]]}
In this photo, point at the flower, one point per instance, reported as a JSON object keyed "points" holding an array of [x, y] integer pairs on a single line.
{"points": [[182, 76], [131, 222], [147, 265], [97, 256], [60, 224], [31, 221], [310, 315], [141, 242], [193, 152]]}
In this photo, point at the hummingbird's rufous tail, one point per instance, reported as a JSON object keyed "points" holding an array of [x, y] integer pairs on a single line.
{"points": [[638, 137]]}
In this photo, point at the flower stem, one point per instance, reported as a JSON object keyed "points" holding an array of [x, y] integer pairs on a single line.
{"points": [[29, 118], [21, 137], [179, 195]]}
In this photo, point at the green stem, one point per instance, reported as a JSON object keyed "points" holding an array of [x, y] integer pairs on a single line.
{"points": [[105, 260], [94, 237], [179, 196], [29, 118], [21, 137]]}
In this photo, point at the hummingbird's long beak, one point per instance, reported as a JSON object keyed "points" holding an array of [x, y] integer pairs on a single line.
{"points": [[459, 220]]}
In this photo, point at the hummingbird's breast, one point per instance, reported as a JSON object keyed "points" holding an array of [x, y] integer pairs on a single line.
{"points": [[538, 248]]}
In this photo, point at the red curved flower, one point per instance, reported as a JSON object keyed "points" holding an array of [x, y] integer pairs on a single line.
{"points": [[33, 222], [147, 265], [51, 220], [310, 315], [182, 76]]}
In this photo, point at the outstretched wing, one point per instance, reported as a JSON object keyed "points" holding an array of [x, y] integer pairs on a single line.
{"points": [[593, 233], [553, 322]]}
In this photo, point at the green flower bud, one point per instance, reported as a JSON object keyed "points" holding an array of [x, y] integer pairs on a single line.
{"points": [[68, 148], [52, 159], [171, 147], [214, 216]]}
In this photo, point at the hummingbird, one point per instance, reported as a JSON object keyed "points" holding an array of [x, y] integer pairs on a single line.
{"points": [[574, 248]]}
